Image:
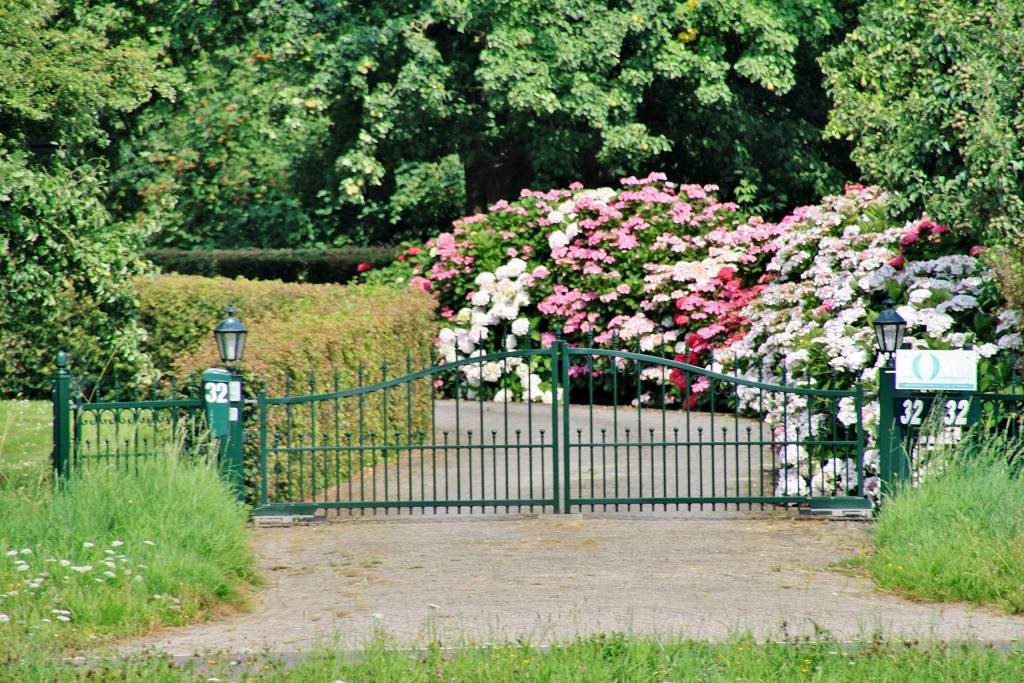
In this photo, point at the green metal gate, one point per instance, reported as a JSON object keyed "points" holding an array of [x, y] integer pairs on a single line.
{"points": [[616, 431]]}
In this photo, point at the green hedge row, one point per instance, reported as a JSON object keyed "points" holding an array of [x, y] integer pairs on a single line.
{"points": [[294, 328], [303, 339], [316, 266]]}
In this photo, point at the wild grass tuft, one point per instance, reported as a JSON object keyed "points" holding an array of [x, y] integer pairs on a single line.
{"points": [[959, 534], [113, 552]]}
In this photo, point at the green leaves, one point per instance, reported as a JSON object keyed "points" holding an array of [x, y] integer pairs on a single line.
{"points": [[930, 93]]}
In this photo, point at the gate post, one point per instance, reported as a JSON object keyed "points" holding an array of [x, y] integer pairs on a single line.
{"points": [[61, 454], [224, 401], [893, 468]]}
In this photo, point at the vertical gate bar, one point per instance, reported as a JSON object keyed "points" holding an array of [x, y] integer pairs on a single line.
{"points": [[553, 355], [361, 440], [458, 440], [650, 457], [483, 438], [590, 415], [261, 407], [408, 425], [760, 428], [519, 467], [858, 406], [615, 416], [664, 443], [447, 456], [711, 448], [639, 431], [629, 468], [735, 446], [604, 466], [505, 432], [433, 432], [336, 407], [384, 448], [314, 457], [494, 467], [562, 402], [689, 439], [675, 460], [700, 464], [750, 468], [529, 433]]}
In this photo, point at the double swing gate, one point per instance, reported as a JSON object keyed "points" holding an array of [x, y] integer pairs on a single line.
{"points": [[555, 430]]}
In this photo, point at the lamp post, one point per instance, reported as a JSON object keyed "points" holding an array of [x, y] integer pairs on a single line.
{"points": [[222, 392], [893, 464], [230, 335], [889, 330]]}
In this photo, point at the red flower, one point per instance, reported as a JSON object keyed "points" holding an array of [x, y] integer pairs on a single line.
{"points": [[912, 235], [414, 250], [897, 262], [401, 257], [976, 250], [362, 267]]}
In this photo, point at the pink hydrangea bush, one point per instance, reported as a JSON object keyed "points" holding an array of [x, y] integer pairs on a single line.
{"points": [[652, 266]]}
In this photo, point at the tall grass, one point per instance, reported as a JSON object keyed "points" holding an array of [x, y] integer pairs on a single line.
{"points": [[26, 439], [959, 534], [114, 552]]}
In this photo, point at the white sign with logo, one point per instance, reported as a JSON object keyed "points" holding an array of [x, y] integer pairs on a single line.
{"points": [[937, 370]]}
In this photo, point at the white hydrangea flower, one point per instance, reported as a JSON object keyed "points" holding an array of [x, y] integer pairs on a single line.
{"points": [[484, 279], [520, 327], [491, 372], [516, 267], [919, 296], [987, 350], [557, 240], [791, 484]]}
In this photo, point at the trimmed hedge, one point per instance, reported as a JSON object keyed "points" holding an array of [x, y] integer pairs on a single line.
{"points": [[315, 266], [336, 336]]}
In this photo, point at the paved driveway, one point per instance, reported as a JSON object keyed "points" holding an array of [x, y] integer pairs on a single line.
{"points": [[466, 579]]}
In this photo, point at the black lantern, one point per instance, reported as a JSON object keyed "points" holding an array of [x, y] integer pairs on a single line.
{"points": [[889, 329], [230, 336]]}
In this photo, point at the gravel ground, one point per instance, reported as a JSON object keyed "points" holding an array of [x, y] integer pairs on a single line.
{"points": [[472, 579]]}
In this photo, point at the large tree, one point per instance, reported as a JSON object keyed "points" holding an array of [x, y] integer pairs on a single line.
{"points": [[328, 123], [65, 262], [931, 94]]}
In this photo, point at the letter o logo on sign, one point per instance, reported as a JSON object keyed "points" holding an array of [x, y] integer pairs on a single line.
{"points": [[925, 366]]}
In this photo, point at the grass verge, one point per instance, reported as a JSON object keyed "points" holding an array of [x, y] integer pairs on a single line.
{"points": [[115, 552], [608, 657], [959, 534]]}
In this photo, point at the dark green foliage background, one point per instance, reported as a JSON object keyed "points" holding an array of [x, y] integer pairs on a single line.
{"points": [[303, 124]]}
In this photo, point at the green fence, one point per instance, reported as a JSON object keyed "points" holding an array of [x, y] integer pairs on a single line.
{"points": [[613, 430], [126, 427]]}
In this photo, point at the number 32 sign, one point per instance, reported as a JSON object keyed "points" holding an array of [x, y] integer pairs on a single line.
{"points": [[954, 414]]}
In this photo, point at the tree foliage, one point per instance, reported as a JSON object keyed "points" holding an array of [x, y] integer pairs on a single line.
{"points": [[314, 123], [64, 259], [931, 93]]}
